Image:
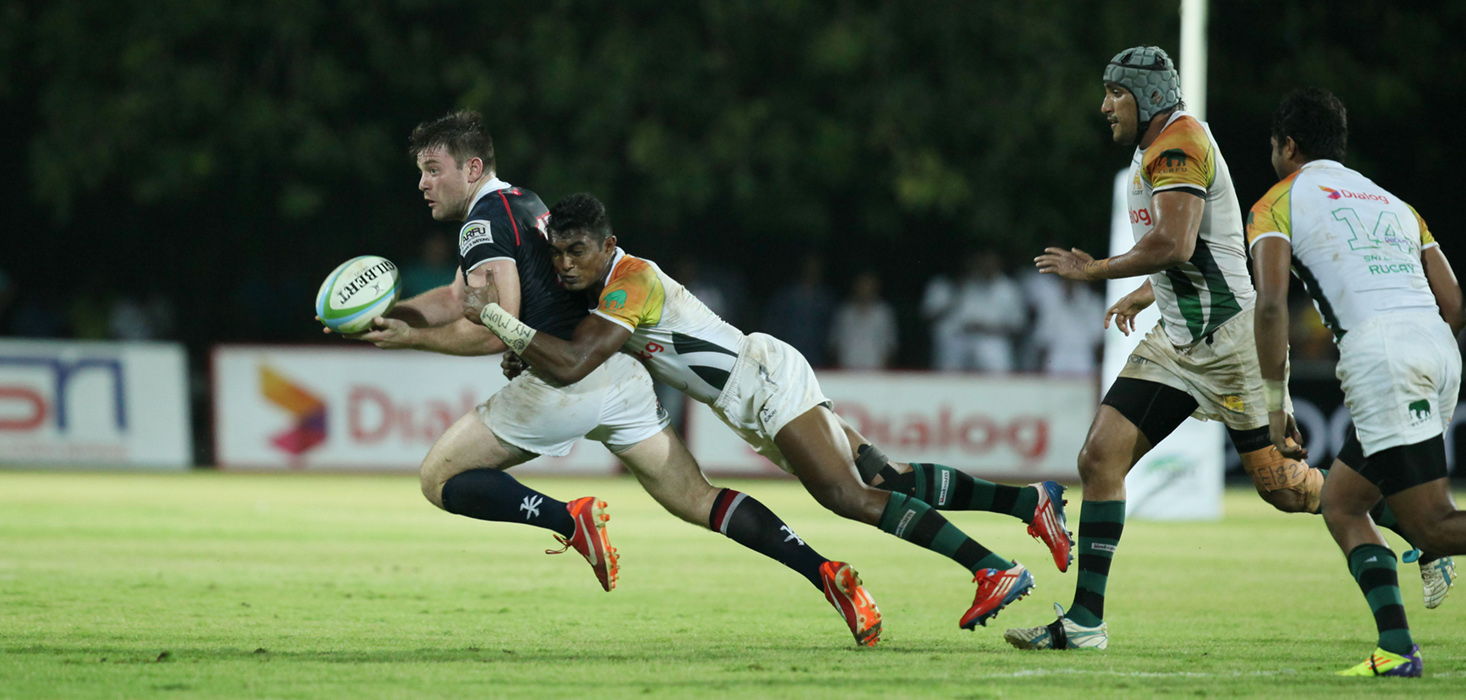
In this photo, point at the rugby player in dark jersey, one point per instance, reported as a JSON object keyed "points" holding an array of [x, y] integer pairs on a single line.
{"points": [[502, 242]]}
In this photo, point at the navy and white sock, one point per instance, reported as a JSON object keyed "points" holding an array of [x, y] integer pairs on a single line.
{"points": [[746, 521], [491, 494]]}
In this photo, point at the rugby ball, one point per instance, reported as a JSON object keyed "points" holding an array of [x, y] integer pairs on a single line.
{"points": [[356, 292]]}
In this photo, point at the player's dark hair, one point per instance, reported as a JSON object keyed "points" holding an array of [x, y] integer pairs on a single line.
{"points": [[580, 214], [1316, 121], [462, 134]]}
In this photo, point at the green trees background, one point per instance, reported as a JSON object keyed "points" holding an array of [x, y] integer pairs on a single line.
{"points": [[199, 147]]}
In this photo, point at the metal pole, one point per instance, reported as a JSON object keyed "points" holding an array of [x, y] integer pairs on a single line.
{"points": [[1193, 56]]}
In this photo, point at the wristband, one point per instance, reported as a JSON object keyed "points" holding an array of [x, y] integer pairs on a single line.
{"points": [[1275, 390], [511, 330]]}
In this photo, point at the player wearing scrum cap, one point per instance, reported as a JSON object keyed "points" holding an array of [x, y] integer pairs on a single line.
{"points": [[767, 393], [1198, 360], [501, 243], [1383, 286]]}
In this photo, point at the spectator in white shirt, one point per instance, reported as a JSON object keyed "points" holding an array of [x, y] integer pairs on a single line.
{"points": [[864, 331], [974, 318]]}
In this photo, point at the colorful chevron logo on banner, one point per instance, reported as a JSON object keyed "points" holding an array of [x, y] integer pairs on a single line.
{"points": [[308, 410]]}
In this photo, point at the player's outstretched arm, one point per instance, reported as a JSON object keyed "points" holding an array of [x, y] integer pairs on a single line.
{"points": [[424, 325], [1444, 286], [1172, 241], [595, 340]]}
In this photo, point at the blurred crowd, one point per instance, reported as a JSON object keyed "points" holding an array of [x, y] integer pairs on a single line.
{"points": [[990, 315]]}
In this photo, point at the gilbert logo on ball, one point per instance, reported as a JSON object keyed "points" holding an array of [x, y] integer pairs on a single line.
{"points": [[356, 292]]}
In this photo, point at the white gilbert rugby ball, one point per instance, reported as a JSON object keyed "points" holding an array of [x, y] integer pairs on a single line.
{"points": [[356, 292]]}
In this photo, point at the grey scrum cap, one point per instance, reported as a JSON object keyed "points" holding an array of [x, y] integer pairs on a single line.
{"points": [[1150, 75]]}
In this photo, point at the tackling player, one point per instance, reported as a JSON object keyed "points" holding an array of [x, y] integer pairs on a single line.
{"points": [[1383, 286], [501, 243], [1197, 360], [760, 387]]}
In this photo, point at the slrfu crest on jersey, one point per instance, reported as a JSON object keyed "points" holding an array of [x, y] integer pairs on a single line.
{"points": [[472, 234], [1419, 411], [614, 300], [1172, 160]]}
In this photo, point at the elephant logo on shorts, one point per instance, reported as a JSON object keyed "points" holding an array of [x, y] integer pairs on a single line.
{"points": [[1419, 411]]}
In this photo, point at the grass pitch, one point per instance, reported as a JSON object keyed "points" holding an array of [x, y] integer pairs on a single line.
{"points": [[301, 586]]}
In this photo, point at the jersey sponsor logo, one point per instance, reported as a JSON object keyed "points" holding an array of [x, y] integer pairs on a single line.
{"points": [[614, 300], [472, 234], [1346, 194], [1140, 216]]}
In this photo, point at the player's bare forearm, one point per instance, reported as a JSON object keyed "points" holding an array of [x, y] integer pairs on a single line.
{"points": [[1444, 286], [435, 307], [460, 338], [1271, 259], [1171, 242], [567, 362]]}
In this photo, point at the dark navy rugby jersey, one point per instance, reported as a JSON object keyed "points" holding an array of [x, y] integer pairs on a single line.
{"points": [[508, 223]]}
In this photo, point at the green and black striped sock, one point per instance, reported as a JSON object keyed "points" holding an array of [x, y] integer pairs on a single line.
{"points": [[946, 488], [918, 523], [1373, 567], [1100, 526]]}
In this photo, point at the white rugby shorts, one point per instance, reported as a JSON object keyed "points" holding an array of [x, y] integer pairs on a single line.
{"points": [[1220, 371], [614, 405], [771, 385], [1401, 374]]}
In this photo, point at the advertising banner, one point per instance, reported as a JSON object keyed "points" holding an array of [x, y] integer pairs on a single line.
{"points": [[354, 409], [1015, 428], [94, 404]]}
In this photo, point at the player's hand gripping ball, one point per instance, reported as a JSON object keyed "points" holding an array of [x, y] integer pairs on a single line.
{"points": [[356, 292]]}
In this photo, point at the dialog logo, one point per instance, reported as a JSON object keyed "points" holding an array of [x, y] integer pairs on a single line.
{"points": [[308, 428]]}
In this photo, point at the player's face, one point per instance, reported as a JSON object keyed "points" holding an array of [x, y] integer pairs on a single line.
{"points": [[444, 183], [1280, 160], [1120, 110], [578, 260]]}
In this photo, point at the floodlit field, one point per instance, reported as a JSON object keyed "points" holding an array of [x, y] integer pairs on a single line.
{"points": [[294, 586]]}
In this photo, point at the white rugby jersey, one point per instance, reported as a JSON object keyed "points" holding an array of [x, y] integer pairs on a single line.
{"points": [[1206, 291], [682, 342], [1355, 246]]}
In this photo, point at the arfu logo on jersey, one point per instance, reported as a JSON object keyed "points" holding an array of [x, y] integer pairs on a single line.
{"points": [[614, 300], [472, 234]]}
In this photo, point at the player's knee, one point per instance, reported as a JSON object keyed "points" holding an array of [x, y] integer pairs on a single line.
{"points": [[1096, 466], [845, 500], [1289, 485], [431, 479]]}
